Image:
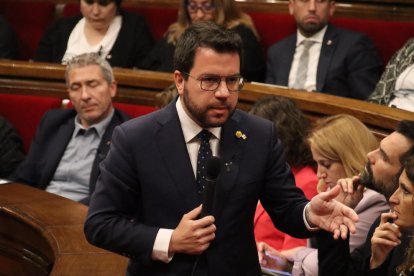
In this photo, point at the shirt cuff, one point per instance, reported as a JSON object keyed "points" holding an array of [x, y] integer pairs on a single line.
{"points": [[161, 244], [306, 221]]}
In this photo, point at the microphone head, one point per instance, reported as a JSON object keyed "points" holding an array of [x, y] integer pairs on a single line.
{"points": [[213, 167]]}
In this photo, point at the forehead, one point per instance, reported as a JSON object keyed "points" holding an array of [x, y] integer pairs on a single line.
{"points": [[394, 145], [85, 73], [208, 61], [404, 179]]}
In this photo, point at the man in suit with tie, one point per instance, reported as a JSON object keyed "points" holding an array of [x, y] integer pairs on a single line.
{"points": [[70, 143], [321, 57], [146, 204]]}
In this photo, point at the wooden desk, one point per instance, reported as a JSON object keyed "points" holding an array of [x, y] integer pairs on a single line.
{"points": [[42, 234]]}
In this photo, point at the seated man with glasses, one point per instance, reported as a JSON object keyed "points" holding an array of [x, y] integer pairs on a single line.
{"points": [[223, 12], [147, 201]]}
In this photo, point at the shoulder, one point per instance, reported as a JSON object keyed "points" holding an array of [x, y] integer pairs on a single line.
{"points": [[346, 34], [282, 44], [120, 116], [132, 18], [372, 199]]}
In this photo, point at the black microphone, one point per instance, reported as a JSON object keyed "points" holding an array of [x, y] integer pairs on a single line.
{"points": [[212, 172]]}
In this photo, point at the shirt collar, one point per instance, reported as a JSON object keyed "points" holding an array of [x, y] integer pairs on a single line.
{"points": [[99, 127], [318, 37], [191, 128]]}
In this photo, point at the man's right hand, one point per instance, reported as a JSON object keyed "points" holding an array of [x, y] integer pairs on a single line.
{"points": [[192, 235], [352, 191]]}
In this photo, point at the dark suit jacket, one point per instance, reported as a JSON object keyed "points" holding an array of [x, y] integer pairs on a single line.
{"points": [[349, 65], [133, 43], [335, 259], [11, 148], [147, 183], [52, 137]]}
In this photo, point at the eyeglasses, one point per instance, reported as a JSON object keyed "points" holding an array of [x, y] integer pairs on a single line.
{"points": [[212, 82], [206, 7], [103, 3]]}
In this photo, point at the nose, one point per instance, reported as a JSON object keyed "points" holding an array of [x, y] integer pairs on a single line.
{"points": [[372, 156], [312, 5], [85, 93], [199, 14], [96, 8], [222, 91], [321, 173], [394, 200]]}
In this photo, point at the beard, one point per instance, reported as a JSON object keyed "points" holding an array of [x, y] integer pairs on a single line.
{"points": [[200, 114], [368, 180]]}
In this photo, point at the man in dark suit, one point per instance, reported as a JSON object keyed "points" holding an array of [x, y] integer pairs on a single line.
{"points": [[69, 144], [382, 172], [321, 57], [147, 200]]}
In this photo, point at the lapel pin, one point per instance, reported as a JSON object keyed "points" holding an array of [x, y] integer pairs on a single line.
{"points": [[329, 42], [240, 135]]}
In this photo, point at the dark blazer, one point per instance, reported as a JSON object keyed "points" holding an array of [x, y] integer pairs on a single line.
{"points": [[9, 44], [335, 259], [133, 43], [147, 183], [349, 65], [253, 64], [52, 137], [11, 148]]}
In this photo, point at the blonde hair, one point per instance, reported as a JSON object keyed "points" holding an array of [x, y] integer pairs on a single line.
{"points": [[344, 138], [226, 13]]}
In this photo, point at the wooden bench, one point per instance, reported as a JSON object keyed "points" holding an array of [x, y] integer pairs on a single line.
{"points": [[42, 234], [138, 87]]}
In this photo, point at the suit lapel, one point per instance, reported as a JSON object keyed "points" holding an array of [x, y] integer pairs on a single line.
{"points": [[58, 144], [286, 60], [327, 51], [174, 153], [230, 154]]}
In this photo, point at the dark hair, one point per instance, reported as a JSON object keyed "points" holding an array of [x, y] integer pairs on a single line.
{"points": [[291, 126], [406, 128], [208, 35]]}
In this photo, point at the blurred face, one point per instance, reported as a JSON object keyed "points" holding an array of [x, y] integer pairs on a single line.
{"points": [[402, 203], [329, 171], [201, 10], [98, 14], [209, 108], [90, 94], [311, 15], [383, 167]]}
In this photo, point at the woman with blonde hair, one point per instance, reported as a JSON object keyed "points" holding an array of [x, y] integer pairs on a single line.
{"points": [[339, 145], [223, 12]]}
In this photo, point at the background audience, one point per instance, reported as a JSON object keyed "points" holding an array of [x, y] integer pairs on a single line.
{"points": [[11, 149], [396, 86], [222, 12], [292, 129], [121, 37], [339, 146], [321, 57]]}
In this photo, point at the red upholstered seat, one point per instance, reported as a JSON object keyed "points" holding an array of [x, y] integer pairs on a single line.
{"points": [[24, 113], [135, 110], [29, 20]]}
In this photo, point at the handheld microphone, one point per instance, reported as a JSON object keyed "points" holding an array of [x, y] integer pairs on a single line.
{"points": [[212, 171]]}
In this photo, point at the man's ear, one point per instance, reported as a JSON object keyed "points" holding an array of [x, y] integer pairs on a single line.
{"points": [[179, 82]]}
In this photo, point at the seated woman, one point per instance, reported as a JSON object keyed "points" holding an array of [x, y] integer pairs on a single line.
{"points": [[388, 234], [396, 86], [339, 145], [223, 12], [292, 129], [122, 37]]}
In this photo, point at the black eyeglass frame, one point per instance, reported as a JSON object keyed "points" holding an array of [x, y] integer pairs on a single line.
{"points": [[218, 81], [204, 7]]}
